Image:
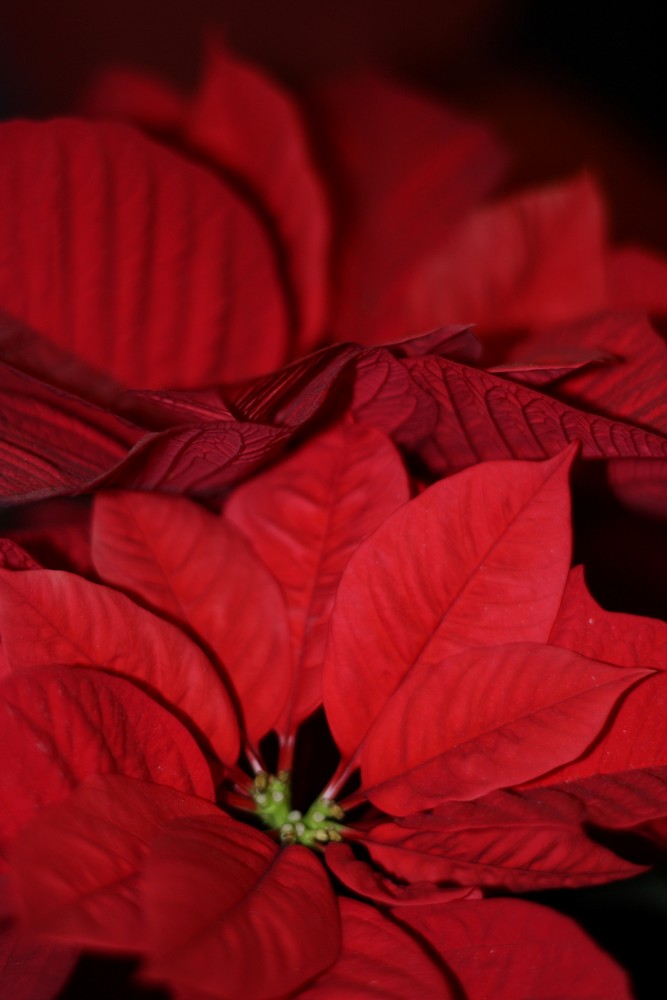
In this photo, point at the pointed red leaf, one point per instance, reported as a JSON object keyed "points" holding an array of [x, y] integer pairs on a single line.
{"points": [[53, 617], [636, 736], [584, 627], [516, 841], [378, 960], [624, 800], [485, 719], [305, 518], [78, 863], [507, 948], [363, 879], [231, 914], [62, 724], [142, 264], [478, 559], [197, 570], [480, 416], [409, 170]]}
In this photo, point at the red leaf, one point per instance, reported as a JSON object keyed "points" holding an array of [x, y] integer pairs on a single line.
{"points": [[29, 969], [231, 914], [551, 269], [61, 724], [378, 960], [480, 416], [247, 124], [629, 384], [198, 571], [516, 841], [305, 518], [637, 280], [635, 738], [12, 556], [409, 170], [485, 719], [479, 559], [77, 863], [53, 617], [141, 264], [53, 442], [507, 948], [365, 881], [244, 124], [584, 627]]}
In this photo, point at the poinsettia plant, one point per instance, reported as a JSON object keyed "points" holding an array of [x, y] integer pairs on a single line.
{"points": [[309, 739], [484, 711]]}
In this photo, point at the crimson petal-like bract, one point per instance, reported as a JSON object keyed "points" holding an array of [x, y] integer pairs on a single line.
{"points": [[199, 572], [54, 617], [424, 560]]}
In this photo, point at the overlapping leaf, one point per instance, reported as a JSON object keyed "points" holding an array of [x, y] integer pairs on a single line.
{"points": [[508, 948], [406, 171], [78, 863], [363, 879], [230, 913], [378, 959], [62, 724], [517, 841], [477, 560], [305, 518], [143, 265], [198, 571], [54, 617], [460, 729]]}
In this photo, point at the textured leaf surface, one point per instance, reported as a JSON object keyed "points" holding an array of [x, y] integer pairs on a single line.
{"points": [[62, 724], [517, 841], [408, 171], [53, 442], [378, 960], [507, 948], [219, 895], [305, 518], [53, 617], [485, 719], [629, 383], [365, 881], [142, 264], [477, 560], [479, 416], [197, 570], [77, 863]]}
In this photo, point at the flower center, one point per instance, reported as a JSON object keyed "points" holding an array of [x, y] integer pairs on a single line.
{"points": [[272, 795]]}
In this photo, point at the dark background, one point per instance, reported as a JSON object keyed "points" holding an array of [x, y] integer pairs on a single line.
{"points": [[566, 85]]}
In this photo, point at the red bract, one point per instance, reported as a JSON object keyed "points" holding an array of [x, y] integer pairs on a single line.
{"points": [[144, 282], [460, 680]]}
